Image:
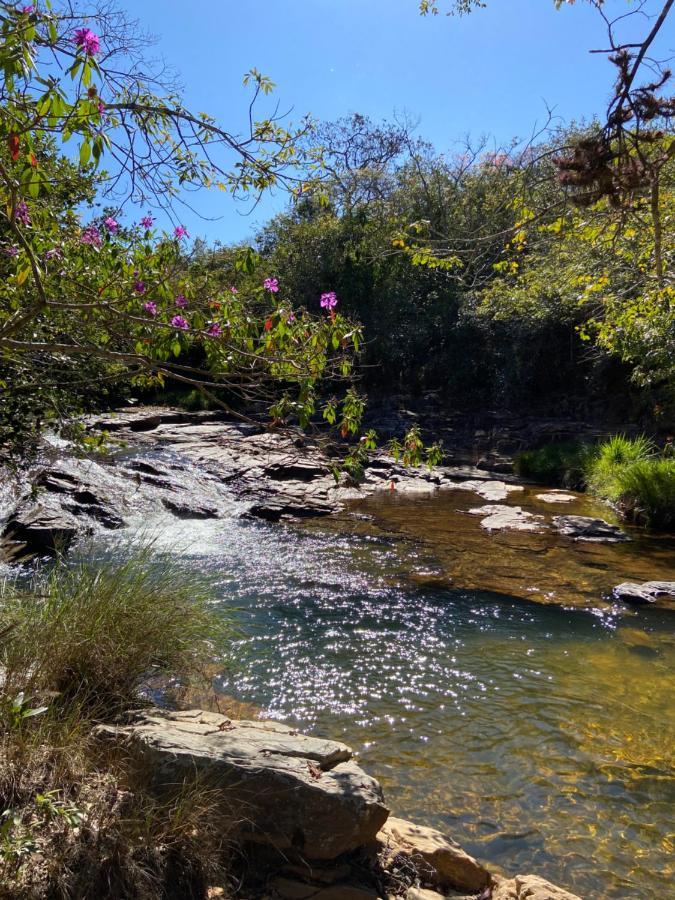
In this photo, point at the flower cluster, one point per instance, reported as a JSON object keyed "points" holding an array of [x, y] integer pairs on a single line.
{"points": [[139, 286], [271, 285], [214, 329], [21, 213], [329, 300], [150, 307], [91, 235], [112, 226], [181, 301], [180, 323], [147, 221], [180, 232], [87, 41]]}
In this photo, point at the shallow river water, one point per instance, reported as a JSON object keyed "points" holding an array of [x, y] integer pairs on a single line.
{"points": [[540, 736]]}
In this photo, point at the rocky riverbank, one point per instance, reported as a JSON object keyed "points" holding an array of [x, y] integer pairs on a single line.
{"points": [[205, 466], [309, 821]]}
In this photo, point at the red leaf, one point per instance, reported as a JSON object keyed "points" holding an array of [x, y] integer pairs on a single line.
{"points": [[14, 144]]}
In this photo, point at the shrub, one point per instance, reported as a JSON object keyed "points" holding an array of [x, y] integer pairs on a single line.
{"points": [[563, 464], [94, 631]]}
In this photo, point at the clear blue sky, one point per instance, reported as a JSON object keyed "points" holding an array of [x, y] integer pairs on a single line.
{"points": [[492, 72]]}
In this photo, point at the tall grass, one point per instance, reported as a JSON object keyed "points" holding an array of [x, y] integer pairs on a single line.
{"points": [[93, 631], [77, 819], [631, 473]]}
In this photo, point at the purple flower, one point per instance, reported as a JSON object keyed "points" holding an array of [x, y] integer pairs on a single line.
{"points": [[12, 251], [87, 41], [271, 285], [180, 231], [214, 329], [291, 317], [27, 10], [91, 235], [181, 301], [112, 225], [150, 307], [139, 286], [21, 213], [329, 300], [147, 221], [101, 107], [54, 253], [180, 323]]}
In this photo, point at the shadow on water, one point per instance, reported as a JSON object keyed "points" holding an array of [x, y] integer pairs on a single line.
{"points": [[539, 736]]}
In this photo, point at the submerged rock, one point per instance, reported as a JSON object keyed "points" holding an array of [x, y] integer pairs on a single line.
{"points": [[556, 497], [295, 792], [647, 592], [532, 887], [587, 528], [498, 517]]}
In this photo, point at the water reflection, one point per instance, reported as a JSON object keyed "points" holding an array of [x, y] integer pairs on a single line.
{"points": [[540, 737]]}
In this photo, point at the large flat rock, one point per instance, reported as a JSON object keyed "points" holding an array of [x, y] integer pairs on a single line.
{"points": [[287, 789]]}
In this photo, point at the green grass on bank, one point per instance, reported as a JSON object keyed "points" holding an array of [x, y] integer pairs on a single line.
{"points": [[76, 817], [631, 473]]}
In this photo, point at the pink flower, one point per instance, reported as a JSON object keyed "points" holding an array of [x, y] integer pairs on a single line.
{"points": [[12, 251], [139, 286], [54, 253], [27, 10], [147, 221], [150, 307], [329, 300], [214, 330], [233, 290], [271, 285], [101, 107], [180, 323], [21, 213], [91, 235], [291, 317], [181, 301], [180, 231], [87, 41], [111, 225]]}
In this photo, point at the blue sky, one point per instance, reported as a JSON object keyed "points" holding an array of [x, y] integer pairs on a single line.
{"points": [[492, 72]]}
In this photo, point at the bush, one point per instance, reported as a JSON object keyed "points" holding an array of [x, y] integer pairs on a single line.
{"points": [[611, 458], [647, 492], [562, 464], [95, 631], [630, 473]]}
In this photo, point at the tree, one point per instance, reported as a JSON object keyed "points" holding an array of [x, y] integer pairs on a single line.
{"points": [[125, 296]]}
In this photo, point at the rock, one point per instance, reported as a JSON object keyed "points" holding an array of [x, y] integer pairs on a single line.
{"points": [[416, 893], [291, 790], [301, 890], [504, 888], [647, 592], [498, 517], [38, 529], [439, 860], [586, 528], [556, 497], [494, 491], [531, 887], [189, 510]]}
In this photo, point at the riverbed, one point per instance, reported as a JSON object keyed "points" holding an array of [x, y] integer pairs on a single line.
{"points": [[486, 679]]}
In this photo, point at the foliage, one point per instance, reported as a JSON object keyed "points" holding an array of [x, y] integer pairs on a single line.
{"points": [[611, 458], [94, 631], [563, 464]]}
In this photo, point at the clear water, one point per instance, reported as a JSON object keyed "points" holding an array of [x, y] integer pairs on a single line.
{"points": [[540, 737]]}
